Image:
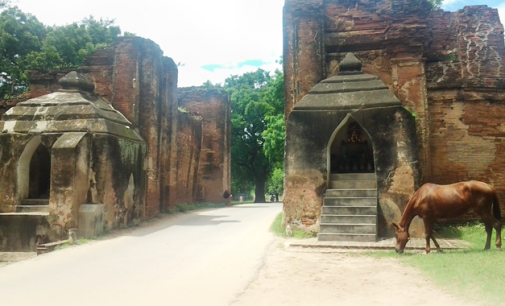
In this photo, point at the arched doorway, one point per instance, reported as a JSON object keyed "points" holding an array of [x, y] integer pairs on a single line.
{"points": [[40, 174], [350, 149]]}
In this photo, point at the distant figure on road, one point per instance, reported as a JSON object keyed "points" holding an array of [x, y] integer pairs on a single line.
{"points": [[227, 198]]}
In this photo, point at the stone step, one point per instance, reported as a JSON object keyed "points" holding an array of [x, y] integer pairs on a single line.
{"points": [[354, 219], [33, 213], [32, 208], [35, 202], [351, 192], [339, 228], [353, 184], [346, 237], [349, 210], [352, 176], [349, 201]]}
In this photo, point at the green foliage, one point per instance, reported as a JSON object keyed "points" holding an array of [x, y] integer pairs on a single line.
{"points": [[183, 207], [70, 44], [20, 34], [26, 43], [275, 183], [274, 137], [208, 83], [437, 4], [451, 57], [4, 3], [257, 103], [129, 34]]}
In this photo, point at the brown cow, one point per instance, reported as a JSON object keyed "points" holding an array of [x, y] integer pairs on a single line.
{"points": [[432, 201]]}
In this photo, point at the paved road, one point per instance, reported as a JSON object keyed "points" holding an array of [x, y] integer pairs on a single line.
{"points": [[199, 258]]}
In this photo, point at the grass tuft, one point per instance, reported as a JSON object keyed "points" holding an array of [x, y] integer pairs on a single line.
{"points": [[183, 207], [280, 230]]}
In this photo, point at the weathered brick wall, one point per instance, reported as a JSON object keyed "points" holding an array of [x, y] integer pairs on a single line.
{"points": [[213, 105], [189, 142], [466, 94], [468, 138], [446, 68], [168, 139]]}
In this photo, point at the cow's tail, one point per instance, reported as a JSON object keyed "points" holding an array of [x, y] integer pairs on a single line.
{"points": [[496, 206]]}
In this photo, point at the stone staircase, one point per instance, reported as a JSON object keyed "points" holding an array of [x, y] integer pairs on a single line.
{"points": [[350, 208]]}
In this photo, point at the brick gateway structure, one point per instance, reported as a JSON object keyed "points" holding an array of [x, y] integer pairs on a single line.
{"points": [[447, 69], [175, 156]]}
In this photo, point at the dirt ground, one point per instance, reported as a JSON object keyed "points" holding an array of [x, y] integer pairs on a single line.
{"points": [[294, 276], [300, 276]]}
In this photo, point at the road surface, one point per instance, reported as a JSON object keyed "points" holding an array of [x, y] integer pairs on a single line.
{"points": [[197, 258]]}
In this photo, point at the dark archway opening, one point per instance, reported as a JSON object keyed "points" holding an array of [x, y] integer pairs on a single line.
{"points": [[40, 173], [352, 150]]}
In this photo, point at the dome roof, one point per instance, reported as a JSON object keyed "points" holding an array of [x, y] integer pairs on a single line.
{"points": [[74, 108], [351, 89]]}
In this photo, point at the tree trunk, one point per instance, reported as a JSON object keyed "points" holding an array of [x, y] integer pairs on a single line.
{"points": [[260, 188]]}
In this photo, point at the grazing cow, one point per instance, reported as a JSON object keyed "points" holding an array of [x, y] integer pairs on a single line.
{"points": [[432, 202]]}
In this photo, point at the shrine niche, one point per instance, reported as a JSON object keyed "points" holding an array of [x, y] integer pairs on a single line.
{"points": [[351, 150], [40, 173]]}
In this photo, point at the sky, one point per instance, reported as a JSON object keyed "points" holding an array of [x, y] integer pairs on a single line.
{"points": [[211, 39]]}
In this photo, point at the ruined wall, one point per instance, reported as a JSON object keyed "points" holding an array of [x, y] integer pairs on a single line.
{"points": [[138, 86], [141, 83], [11, 148], [466, 94], [189, 144], [213, 105], [446, 68], [132, 179], [118, 180]]}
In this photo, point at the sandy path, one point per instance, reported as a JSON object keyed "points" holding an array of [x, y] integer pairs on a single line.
{"points": [[318, 277]]}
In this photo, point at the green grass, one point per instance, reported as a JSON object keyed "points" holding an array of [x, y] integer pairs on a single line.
{"points": [[243, 202], [473, 273], [279, 230], [183, 207], [77, 242]]}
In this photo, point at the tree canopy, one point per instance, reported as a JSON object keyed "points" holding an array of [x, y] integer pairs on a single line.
{"points": [[257, 103], [437, 4], [26, 43]]}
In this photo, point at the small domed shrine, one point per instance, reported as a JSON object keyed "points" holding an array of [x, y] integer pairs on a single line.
{"points": [[63, 153]]}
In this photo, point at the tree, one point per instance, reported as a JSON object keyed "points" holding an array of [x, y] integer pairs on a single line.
{"points": [[4, 3], [68, 46], [26, 43], [275, 183], [20, 34], [257, 102], [437, 4]]}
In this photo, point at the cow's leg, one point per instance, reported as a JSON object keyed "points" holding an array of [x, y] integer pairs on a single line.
{"points": [[428, 228]]}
